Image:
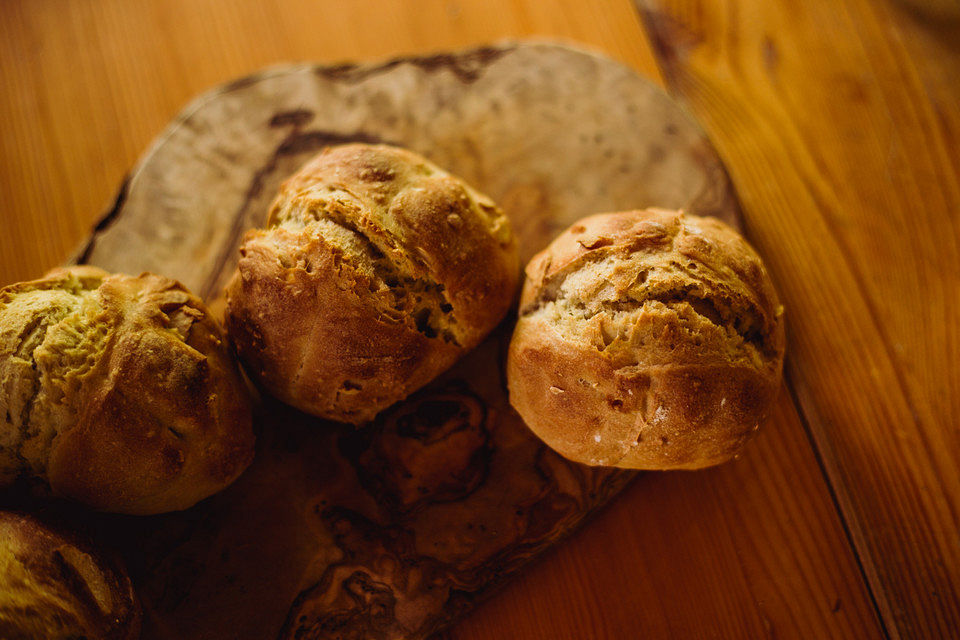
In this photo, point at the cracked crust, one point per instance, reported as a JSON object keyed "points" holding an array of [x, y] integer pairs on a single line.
{"points": [[376, 271], [118, 391], [648, 340], [56, 587]]}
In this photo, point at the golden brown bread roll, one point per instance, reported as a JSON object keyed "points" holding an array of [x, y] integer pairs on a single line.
{"points": [[648, 340], [376, 271], [119, 391], [54, 587]]}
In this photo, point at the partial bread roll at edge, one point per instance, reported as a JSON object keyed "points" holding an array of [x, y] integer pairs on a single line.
{"points": [[57, 587], [376, 272], [119, 391], [646, 339]]}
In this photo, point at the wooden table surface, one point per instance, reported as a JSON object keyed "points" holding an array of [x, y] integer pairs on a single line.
{"points": [[839, 121]]}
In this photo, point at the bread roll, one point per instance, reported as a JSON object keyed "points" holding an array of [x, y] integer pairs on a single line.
{"points": [[118, 391], [376, 271], [57, 588], [646, 339]]}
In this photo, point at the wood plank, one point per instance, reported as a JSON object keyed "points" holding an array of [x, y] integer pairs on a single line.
{"points": [[397, 528], [839, 122], [87, 85]]}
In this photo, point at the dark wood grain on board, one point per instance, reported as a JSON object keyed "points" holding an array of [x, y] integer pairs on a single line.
{"points": [[393, 530]]}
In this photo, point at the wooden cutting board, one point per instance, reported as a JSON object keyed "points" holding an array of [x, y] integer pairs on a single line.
{"points": [[395, 529]]}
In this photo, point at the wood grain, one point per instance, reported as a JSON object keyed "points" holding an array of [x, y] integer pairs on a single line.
{"points": [[86, 86], [393, 530], [840, 123], [752, 548]]}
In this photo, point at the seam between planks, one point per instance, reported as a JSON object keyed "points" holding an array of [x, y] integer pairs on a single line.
{"points": [[895, 365], [834, 498], [788, 378]]}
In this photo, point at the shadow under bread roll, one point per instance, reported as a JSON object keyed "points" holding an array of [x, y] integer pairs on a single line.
{"points": [[648, 340], [56, 587], [118, 391]]}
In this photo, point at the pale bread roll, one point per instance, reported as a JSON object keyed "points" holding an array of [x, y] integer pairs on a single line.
{"points": [[56, 587], [118, 391], [376, 272], [646, 339]]}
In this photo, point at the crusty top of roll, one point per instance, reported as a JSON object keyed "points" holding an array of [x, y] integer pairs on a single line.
{"points": [[58, 588], [609, 270], [646, 339], [119, 391], [377, 269], [419, 235]]}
